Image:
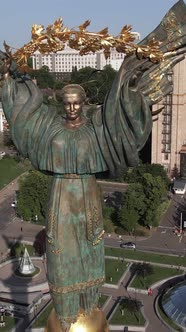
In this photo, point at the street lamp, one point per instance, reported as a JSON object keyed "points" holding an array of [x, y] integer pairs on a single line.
{"points": [[36, 218]]}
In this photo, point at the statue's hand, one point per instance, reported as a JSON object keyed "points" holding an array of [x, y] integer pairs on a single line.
{"points": [[157, 83], [7, 66], [4, 65]]}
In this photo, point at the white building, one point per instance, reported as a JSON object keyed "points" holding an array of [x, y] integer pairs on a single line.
{"points": [[3, 122], [68, 59]]}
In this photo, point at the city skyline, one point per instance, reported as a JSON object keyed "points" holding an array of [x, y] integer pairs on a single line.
{"points": [[142, 15]]}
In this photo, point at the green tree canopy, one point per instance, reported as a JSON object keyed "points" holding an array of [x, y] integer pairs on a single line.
{"points": [[132, 207], [96, 83], [154, 189], [135, 175], [133, 305], [141, 269], [32, 196], [108, 216], [141, 201], [43, 77]]}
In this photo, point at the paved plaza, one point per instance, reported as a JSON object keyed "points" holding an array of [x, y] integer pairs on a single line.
{"points": [[24, 231]]}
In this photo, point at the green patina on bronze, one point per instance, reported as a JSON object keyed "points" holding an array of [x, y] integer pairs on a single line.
{"points": [[109, 138]]}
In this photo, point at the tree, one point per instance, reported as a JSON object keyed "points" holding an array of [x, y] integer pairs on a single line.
{"points": [[40, 242], [108, 213], [135, 175], [141, 269], [141, 201], [132, 305], [128, 219], [96, 83], [154, 189], [17, 249], [32, 196], [132, 207], [43, 77]]}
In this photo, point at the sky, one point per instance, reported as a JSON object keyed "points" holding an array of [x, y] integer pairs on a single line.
{"points": [[18, 16]]}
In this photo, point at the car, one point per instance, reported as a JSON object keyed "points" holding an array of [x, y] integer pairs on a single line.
{"points": [[8, 313], [106, 198], [2, 154], [14, 203], [128, 245]]}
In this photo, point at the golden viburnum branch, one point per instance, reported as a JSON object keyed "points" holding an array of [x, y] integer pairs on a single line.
{"points": [[55, 37]]}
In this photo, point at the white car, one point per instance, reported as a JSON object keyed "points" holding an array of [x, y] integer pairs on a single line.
{"points": [[128, 245], [14, 203], [2, 154]]}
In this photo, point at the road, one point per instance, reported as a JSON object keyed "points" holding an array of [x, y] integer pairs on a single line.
{"points": [[7, 213], [162, 240], [112, 187]]}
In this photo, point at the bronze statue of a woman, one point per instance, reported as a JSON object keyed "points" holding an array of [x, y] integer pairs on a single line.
{"points": [[76, 147]]}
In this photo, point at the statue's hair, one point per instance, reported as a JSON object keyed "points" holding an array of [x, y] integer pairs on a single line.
{"points": [[74, 88]]}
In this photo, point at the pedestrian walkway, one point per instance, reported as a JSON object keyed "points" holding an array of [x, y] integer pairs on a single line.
{"points": [[153, 323], [21, 230], [9, 190]]}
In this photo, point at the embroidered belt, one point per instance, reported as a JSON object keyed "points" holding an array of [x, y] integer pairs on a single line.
{"points": [[73, 176], [76, 287]]}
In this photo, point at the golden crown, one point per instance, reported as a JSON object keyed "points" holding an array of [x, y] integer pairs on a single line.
{"points": [[56, 36]]}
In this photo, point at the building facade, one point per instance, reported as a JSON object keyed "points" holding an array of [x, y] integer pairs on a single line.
{"points": [[169, 129], [3, 122], [68, 59]]}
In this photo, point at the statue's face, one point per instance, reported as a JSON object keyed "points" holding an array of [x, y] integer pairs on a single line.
{"points": [[73, 103]]}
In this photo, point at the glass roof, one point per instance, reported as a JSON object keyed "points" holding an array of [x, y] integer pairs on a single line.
{"points": [[174, 303]]}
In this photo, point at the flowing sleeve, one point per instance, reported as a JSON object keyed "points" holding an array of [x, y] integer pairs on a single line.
{"points": [[124, 123], [32, 123]]}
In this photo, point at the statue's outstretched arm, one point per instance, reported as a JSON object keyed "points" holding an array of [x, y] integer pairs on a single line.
{"points": [[155, 83], [29, 119], [19, 93], [140, 83]]}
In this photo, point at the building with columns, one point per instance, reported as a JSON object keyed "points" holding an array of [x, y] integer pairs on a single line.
{"points": [[169, 130], [68, 59]]}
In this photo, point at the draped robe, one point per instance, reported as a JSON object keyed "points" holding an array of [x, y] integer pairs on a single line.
{"points": [[108, 139]]}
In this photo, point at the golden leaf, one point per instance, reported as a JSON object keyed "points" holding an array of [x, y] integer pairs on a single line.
{"points": [[106, 42], [84, 25], [55, 36], [126, 29], [103, 31], [58, 24], [49, 28], [37, 30], [7, 49]]}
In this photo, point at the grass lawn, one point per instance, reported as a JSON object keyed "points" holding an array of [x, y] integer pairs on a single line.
{"points": [[114, 270], [9, 170], [159, 273], [42, 319], [20, 247], [10, 322], [103, 298], [128, 318], [145, 256]]}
